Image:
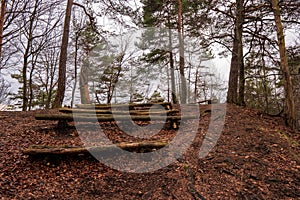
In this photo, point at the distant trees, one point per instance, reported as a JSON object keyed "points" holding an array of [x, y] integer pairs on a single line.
{"points": [[161, 13], [4, 90], [111, 73], [180, 16], [34, 44], [37, 25], [10, 13], [46, 76]]}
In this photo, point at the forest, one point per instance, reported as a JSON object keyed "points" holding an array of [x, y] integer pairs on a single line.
{"points": [[65, 52], [150, 99]]}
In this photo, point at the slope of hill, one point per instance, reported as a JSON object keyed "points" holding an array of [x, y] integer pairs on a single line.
{"points": [[256, 157]]}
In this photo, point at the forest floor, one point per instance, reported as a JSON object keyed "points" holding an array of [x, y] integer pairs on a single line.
{"points": [[256, 157]]}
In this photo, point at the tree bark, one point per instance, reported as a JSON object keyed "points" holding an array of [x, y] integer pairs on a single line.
{"points": [[240, 56], [234, 73], [196, 84], [63, 58], [173, 87], [83, 84], [2, 18], [26, 56], [287, 80], [114, 78], [30, 83], [183, 97], [236, 85], [75, 66]]}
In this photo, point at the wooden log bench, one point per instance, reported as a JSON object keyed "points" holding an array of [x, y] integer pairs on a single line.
{"points": [[63, 119], [118, 112], [115, 112], [104, 113], [209, 101], [132, 106], [145, 146]]}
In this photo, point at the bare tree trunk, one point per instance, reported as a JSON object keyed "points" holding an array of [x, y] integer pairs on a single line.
{"points": [[114, 80], [234, 73], [24, 78], [168, 82], [60, 94], [288, 85], [236, 85], [83, 83], [50, 92], [30, 84], [196, 85], [173, 87], [26, 57], [183, 97], [2, 18], [189, 85], [52, 81], [75, 66], [84, 72], [240, 56]]}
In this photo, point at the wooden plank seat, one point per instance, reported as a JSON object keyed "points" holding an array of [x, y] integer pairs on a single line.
{"points": [[118, 112], [64, 118], [145, 146], [132, 106], [87, 113], [106, 118], [104, 112]]}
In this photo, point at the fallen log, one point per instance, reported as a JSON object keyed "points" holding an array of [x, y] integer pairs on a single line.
{"points": [[73, 150]]}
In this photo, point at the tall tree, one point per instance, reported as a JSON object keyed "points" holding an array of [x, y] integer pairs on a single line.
{"points": [[2, 18], [180, 29], [60, 94], [240, 54], [288, 85], [236, 84], [232, 93], [173, 86]]}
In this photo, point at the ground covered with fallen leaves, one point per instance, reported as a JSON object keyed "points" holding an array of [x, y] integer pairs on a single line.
{"points": [[256, 157]]}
